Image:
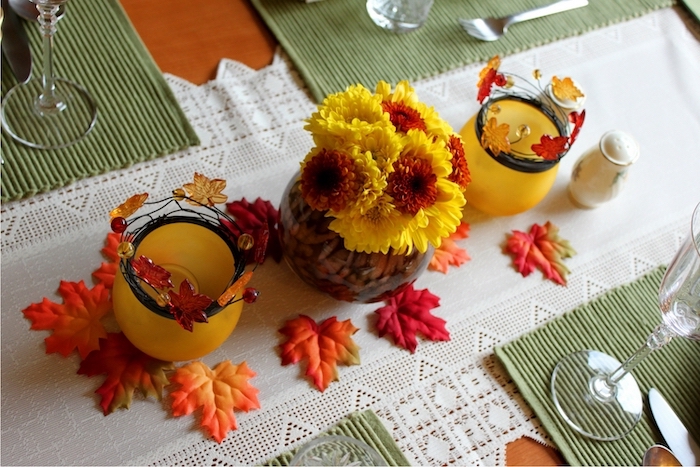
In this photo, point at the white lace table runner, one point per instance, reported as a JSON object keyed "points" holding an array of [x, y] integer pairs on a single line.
{"points": [[449, 402]]}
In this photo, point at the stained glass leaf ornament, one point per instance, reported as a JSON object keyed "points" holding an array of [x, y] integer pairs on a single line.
{"points": [[495, 137], [577, 119], [204, 191], [152, 274], [551, 148], [188, 307], [231, 292], [128, 207], [565, 89]]}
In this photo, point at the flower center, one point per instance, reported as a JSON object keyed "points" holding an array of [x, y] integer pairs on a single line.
{"points": [[412, 185], [328, 181], [403, 117]]}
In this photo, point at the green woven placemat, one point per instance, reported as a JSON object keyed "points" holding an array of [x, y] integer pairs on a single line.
{"points": [[364, 426], [617, 323], [334, 43], [138, 116]]}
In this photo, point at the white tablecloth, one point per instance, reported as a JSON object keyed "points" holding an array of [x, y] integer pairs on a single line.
{"points": [[450, 402]]}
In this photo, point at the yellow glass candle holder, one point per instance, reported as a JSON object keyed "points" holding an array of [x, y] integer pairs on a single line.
{"points": [[504, 184], [180, 288], [515, 141]]}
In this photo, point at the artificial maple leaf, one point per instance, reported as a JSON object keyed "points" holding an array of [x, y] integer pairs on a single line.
{"points": [[541, 248], [408, 313], [577, 119], [449, 253], [127, 369], [322, 344], [205, 192], [565, 89], [107, 270], [152, 274], [75, 323], [495, 137], [129, 206], [251, 217], [550, 148], [486, 82], [188, 307], [217, 391]]}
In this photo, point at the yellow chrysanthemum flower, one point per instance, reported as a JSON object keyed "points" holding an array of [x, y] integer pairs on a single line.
{"points": [[371, 181], [407, 112], [378, 229]]}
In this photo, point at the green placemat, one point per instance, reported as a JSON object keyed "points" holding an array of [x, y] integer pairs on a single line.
{"points": [[364, 426], [617, 322], [334, 43], [138, 116], [693, 7]]}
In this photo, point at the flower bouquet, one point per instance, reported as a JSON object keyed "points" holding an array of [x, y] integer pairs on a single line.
{"points": [[383, 183]]}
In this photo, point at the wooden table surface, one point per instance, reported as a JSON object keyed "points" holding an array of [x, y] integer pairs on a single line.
{"points": [[188, 39]]}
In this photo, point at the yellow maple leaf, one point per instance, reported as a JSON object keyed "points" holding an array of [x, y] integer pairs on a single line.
{"points": [[495, 137], [565, 89], [205, 191], [129, 206]]}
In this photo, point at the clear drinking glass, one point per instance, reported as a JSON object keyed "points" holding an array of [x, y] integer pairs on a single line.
{"points": [[595, 393], [399, 15], [337, 451], [48, 112]]}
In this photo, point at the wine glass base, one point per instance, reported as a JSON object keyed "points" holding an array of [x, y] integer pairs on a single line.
{"points": [[68, 120], [587, 404]]}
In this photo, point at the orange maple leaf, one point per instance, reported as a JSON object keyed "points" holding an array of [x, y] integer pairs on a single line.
{"points": [[541, 248], [75, 323], [449, 252], [322, 344], [218, 392], [129, 206], [127, 369], [565, 89], [205, 191], [495, 137], [107, 270]]}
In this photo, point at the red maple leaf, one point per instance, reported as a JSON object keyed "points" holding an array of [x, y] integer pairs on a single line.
{"points": [[217, 391], [75, 323], [491, 77], [550, 148], [252, 217], [449, 252], [188, 307], [541, 248], [127, 369], [408, 313], [107, 270], [577, 119], [154, 275], [323, 345]]}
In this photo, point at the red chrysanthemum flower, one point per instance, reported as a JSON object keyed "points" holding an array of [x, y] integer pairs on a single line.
{"points": [[328, 181], [460, 171], [412, 185], [403, 117]]}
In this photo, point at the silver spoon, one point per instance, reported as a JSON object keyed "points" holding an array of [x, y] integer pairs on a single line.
{"points": [[659, 455], [491, 29], [28, 11]]}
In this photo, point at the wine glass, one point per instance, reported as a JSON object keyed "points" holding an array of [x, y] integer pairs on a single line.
{"points": [[595, 393], [48, 112], [337, 450]]}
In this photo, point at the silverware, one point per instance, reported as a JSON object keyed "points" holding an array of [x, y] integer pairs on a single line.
{"points": [[659, 456], [675, 434], [491, 29], [15, 44]]}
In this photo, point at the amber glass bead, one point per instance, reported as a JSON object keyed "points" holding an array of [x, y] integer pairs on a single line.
{"points": [[245, 242], [125, 250]]}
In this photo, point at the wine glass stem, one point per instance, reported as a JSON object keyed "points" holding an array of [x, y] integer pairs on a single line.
{"points": [[48, 100], [604, 387]]}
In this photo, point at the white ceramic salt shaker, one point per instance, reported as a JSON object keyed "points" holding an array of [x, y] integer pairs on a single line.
{"points": [[601, 172]]}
